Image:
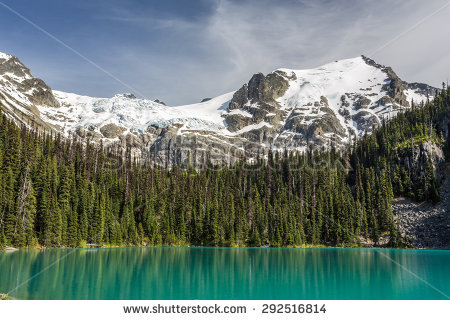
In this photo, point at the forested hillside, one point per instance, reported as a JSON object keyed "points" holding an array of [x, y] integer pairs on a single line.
{"points": [[56, 192]]}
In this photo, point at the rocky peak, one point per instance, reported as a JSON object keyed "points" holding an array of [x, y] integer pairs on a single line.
{"points": [[125, 95], [160, 102], [302, 107], [285, 109], [17, 77], [261, 90], [258, 98], [11, 65], [394, 86]]}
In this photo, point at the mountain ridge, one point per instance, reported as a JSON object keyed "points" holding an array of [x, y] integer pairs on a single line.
{"points": [[285, 109]]}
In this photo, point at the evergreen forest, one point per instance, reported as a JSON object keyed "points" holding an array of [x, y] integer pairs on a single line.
{"points": [[61, 192]]}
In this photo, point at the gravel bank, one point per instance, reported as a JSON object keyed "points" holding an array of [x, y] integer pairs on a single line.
{"points": [[427, 226]]}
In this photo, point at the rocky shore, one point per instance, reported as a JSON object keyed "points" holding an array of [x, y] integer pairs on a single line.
{"points": [[425, 225], [4, 297]]}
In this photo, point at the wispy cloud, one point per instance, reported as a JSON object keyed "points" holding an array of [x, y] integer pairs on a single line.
{"points": [[249, 36], [182, 54]]}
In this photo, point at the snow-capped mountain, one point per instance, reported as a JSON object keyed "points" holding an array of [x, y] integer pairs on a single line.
{"points": [[21, 94], [328, 104], [287, 108]]}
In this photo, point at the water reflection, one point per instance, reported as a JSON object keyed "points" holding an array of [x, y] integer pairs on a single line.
{"points": [[207, 273]]}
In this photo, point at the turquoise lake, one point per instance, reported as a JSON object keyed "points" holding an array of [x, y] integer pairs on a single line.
{"points": [[225, 273]]}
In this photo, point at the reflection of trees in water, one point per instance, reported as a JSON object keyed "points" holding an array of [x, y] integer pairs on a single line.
{"points": [[216, 273]]}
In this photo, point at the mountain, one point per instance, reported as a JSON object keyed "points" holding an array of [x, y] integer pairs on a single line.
{"points": [[21, 94], [286, 109], [57, 192]]}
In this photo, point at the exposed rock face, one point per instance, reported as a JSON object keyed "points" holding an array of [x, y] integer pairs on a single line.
{"points": [[262, 90], [365, 121], [160, 102], [267, 88], [384, 101], [417, 160], [236, 122], [361, 102], [429, 150], [258, 103], [112, 131], [125, 95], [315, 129], [88, 134], [395, 87], [17, 74], [258, 98], [42, 94], [21, 94], [199, 149]]}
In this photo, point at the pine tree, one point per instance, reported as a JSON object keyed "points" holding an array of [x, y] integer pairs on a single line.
{"points": [[8, 209], [2, 240], [26, 218]]}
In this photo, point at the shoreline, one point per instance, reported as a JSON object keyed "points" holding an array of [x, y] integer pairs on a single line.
{"points": [[230, 247]]}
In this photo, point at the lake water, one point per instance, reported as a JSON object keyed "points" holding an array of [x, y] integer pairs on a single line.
{"points": [[225, 273]]}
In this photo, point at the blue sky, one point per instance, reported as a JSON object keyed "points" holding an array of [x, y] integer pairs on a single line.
{"points": [[183, 51]]}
